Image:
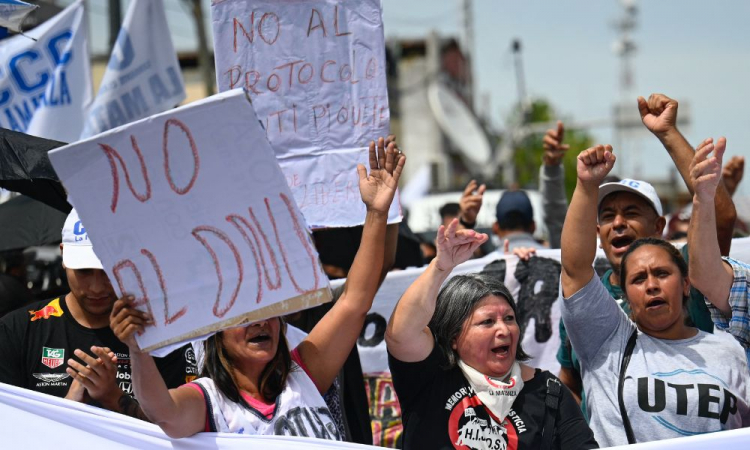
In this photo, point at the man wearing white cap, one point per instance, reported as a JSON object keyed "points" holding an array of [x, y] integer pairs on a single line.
{"points": [[65, 347]]}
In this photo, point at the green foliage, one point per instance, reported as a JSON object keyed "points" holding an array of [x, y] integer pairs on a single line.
{"points": [[528, 154]]}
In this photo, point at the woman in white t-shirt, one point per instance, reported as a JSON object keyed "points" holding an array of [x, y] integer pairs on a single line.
{"points": [[652, 377], [251, 382]]}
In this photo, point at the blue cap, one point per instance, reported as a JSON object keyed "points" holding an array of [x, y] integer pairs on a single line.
{"points": [[514, 201]]}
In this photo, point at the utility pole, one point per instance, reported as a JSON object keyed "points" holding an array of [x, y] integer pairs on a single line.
{"points": [[204, 57], [523, 100], [468, 16], [625, 48], [115, 20], [505, 153]]}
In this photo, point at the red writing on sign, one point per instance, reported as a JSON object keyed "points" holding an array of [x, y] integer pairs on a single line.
{"points": [[300, 73], [268, 27], [113, 157], [266, 264]]}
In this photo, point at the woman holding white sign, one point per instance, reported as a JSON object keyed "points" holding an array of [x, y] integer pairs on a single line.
{"points": [[649, 376], [251, 383], [456, 360]]}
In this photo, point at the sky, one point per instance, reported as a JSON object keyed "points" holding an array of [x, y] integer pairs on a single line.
{"points": [[695, 51]]}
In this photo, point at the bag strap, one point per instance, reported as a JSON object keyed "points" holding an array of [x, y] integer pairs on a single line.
{"points": [[552, 403], [623, 367]]}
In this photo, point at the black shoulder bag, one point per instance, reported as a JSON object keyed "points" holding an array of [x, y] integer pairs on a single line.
{"points": [[623, 367], [552, 403]]}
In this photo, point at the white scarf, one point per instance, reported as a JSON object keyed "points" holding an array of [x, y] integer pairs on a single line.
{"points": [[495, 394]]}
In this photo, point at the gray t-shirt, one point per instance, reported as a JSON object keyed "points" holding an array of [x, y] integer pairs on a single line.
{"points": [[672, 388]]}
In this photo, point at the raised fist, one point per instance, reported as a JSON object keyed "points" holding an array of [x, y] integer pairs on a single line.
{"points": [[595, 163]]}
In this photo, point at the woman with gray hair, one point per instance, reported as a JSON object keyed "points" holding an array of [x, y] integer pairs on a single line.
{"points": [[455, 356]]}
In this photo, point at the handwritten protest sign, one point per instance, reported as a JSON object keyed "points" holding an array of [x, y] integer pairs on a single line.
{"points": [[315, 71], [189, 211]]}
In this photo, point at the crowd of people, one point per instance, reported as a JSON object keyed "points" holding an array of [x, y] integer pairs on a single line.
{"points": [[664, 330]]}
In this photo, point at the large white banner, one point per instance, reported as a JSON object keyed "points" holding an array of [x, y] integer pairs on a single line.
{"points": [[189, 212], [45, 85], [39, 420], [34, 420], [143, 76], [315, 71]]}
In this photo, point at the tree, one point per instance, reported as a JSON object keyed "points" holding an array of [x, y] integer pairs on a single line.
{"points": [[528, 153]]}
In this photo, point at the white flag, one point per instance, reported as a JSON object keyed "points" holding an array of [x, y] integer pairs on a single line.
{"points": [[45, 85], [12, 13], [143, 76]]}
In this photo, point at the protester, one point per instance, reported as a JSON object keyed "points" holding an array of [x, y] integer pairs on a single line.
{"points": [[38, 343], [251, 383], [515, 220], [514, 212], [629, 210], [723, 282], [652, 377], [448, 212], [14, 293], [732, 175], [455, 357], [347, 398]]}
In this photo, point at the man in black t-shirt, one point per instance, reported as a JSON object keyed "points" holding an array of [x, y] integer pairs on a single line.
{"points": [[65, 347]]}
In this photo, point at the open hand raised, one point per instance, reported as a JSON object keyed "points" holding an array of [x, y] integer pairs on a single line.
{"points": [[455, 246], [705, 170], [379, 187]]}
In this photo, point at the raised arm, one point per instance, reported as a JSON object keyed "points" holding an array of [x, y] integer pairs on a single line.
{"points": [[391, 232], [552, 183], [579, 231], [659, 115], [329, 343], [732, 173], [408, 338], [708, 273], [470, 204], [179, 412]]}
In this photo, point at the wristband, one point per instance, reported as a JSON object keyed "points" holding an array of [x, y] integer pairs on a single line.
{"points": [[467, 225]]}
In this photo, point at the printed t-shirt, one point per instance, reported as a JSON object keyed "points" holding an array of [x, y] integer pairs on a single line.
{"points": [[299, 410], [698, 313], [36, 342], [672, 388], [266, 410], [440, 410]]}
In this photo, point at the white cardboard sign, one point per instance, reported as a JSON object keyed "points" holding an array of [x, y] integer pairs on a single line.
{"points": [[189, 211], [315, 71]]}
